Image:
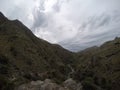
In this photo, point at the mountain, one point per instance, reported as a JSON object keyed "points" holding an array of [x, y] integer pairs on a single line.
{"points": [[24, 57], [30, 63], [99, 67], [2, 18]]}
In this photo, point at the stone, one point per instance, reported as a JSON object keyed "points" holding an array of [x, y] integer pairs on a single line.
{"points": [[72, 85], [47, 84]]}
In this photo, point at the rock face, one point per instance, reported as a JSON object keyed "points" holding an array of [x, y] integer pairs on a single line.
{"points": [[72, 85], [69, 84]]}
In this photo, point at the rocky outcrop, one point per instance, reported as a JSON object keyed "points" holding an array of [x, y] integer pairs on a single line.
{"points": [[72, 85], [48, 84]]}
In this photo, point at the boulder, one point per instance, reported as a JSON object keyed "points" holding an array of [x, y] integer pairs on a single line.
{"points": [[47, 84], [72, 85], [41, 85]]}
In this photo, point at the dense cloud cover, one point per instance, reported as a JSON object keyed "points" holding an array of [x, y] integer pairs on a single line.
{"points": [[74, 24]]}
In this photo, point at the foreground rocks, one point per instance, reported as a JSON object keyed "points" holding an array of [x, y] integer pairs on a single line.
{"points": [[72, 85], [47, 84]]}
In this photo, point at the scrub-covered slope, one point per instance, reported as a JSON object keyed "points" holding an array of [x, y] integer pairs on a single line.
{"points": [[99, 67], [24, 57]]}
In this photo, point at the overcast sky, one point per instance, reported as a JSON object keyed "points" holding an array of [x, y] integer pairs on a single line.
{"points": [[74, 24]]}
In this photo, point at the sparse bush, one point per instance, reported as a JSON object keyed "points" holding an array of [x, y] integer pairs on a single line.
{"points": [[3, 69], [88, 84], [14, 52], [5, 84], [3, 65], [29, 62], [3, 60]]}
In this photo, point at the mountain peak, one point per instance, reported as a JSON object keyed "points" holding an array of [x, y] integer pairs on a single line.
{"points": [[2, 17]]}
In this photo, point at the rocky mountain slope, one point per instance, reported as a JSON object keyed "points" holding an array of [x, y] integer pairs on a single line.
{"points": [[24, 57], [30, 63], [99, 67]]}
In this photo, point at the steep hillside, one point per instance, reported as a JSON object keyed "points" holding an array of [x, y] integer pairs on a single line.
{"points": [[99, 67], [28, 60], [24, 57]]}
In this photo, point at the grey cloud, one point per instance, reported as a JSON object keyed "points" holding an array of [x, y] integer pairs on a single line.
{"points": [[92, 41], [40, 20], [41, 5], [56, 6], [104, 28], [95, 29], [97, 21]]}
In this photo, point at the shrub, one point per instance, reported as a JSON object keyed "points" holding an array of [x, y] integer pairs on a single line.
{"points": [[5, 84], [88, 84]]}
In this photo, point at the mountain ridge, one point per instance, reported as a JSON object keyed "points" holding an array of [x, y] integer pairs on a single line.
{"points": [[26, 58]]}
